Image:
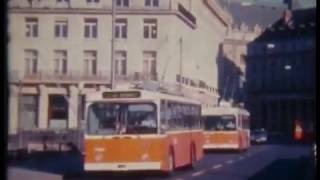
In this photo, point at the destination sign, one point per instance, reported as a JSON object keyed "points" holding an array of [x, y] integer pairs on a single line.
{"points": [[127, 94]]}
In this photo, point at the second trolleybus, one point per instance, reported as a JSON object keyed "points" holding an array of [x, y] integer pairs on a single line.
{"points": [[141, 130], [226, 128]]}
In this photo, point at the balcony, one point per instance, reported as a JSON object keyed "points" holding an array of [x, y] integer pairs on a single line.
{"points": [[83, 4], [71, 77]]}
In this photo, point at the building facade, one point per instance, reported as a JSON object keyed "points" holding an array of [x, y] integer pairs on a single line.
{"points": [[249, 20], [281, 73], [231, 62], [59, 50]]}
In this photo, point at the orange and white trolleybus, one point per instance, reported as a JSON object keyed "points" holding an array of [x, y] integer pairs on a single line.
{"points": [[226, 127], [141, 130]]}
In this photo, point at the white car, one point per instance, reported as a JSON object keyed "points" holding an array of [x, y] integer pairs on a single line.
{"points": [[259, 136]]}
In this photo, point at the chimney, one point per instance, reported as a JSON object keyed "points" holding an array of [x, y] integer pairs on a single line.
{"points": [[289, 3]]}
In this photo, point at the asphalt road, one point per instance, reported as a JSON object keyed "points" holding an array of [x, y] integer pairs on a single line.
{"points": [[269, 161]]}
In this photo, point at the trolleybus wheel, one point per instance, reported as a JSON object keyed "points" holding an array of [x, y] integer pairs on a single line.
{"points": [[193, 156]]}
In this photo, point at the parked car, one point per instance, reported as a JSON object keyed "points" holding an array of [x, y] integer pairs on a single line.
{"points": [[259, 136]]}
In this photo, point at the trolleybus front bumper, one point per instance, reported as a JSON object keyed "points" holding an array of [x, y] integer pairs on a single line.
{"points": [[128, 166], [221, 146]]}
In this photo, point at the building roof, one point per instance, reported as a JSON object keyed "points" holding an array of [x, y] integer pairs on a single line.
{"points": [[301, 24], [251, 14], [235, 41]]}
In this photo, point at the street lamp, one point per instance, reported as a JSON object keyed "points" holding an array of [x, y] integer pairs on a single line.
{"points": [[287, 67], [270, 45]]}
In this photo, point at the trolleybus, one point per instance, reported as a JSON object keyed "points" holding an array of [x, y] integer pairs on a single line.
{"points": [[226, 128], [141, 130]]}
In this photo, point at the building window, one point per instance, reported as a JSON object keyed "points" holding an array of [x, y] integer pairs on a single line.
{"points": [[178, 78], [81, 107], [149, 64], [154, 3], [150, 28], [61, 29], [122, 3], [90, 28], [90, 62], [63, 1], [29, 112], [193, 83], [58, 111], [31, 60], [31, 27], [253, 67], [92, 1], [242, 59], [121, 63], [60, 62], [121, 28]]}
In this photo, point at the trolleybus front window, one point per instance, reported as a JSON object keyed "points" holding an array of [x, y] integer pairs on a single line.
{"points": [[122, 118], [220, 123]]}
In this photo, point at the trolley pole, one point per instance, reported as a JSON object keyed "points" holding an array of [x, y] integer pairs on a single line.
{"points": [[180, 68], [225, 88], [112, 44]]}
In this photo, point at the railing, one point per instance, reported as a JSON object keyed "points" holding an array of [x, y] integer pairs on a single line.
{"points": [[100, 77], [45, 137], [74, 77], [44, 76]]}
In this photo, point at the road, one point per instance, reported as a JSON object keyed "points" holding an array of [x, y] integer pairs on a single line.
{"points": [[268, 161]]}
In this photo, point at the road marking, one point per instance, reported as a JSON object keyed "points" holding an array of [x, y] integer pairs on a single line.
{"points": [[217, 166], [230, 162], [198, 173]]}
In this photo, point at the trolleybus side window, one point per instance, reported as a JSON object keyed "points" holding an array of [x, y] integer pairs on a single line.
{"points": [[163, 116], [240, 121], [245, 122], [182, 116], [197, 115]]}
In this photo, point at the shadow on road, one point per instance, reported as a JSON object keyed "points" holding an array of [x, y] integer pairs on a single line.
{"points": [[222, 151], [115, 176], [285, 140], [134, 175], [50, 162], [287, 169]]}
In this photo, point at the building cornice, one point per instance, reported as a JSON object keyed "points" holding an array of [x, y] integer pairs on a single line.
{"points": [[236, 41], [222, 16]]}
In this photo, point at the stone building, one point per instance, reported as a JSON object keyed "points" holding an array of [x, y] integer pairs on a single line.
{"points": [[59, 50], [281, 73]]}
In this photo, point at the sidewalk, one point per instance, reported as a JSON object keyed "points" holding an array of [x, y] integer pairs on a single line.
{"points": [[19, 174]]}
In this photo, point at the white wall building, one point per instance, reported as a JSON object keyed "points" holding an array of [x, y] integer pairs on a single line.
{"points": [[63, 47]]}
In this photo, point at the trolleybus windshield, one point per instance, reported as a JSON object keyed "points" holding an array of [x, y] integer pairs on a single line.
{"points": [[220, 123], [121, 118]]}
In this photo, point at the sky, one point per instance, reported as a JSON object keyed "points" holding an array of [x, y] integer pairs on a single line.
{"points": [[279, 3]]}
